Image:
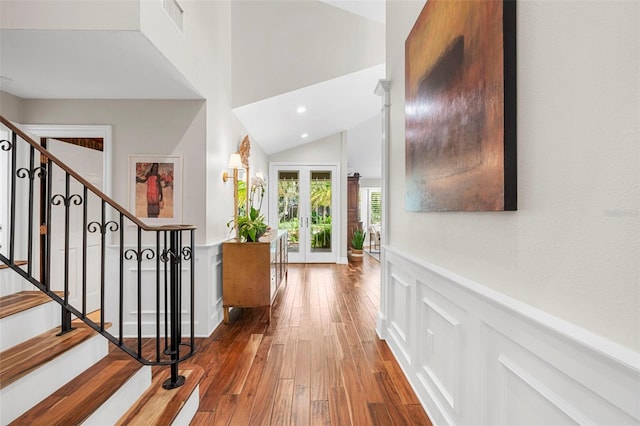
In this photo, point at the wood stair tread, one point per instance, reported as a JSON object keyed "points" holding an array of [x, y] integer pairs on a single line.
{"points": [[17, 263], [19, 302], [25, 357], [74, 402], [159, 406]]}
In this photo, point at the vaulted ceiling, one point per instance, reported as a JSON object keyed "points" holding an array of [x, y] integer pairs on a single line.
{"points": [[328, 59]]}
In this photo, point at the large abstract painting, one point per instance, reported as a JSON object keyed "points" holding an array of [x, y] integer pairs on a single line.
{"points": [[460, 89]]}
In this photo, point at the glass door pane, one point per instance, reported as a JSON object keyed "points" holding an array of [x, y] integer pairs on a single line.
{"points": [[288, 206], [305, 206], [320, 196], [320, 203]]}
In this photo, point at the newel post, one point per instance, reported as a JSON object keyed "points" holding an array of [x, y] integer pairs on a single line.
{"points": [[175, 317]]}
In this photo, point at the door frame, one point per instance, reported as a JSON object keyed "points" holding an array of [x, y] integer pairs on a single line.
{"points": [[56, 131], [336, 212]]}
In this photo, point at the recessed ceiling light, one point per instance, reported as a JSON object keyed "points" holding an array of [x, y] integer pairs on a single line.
{"points": [[301, 109], [304, 135]]}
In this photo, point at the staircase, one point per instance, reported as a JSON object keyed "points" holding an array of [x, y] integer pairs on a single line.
{"points": [[61, 363]]}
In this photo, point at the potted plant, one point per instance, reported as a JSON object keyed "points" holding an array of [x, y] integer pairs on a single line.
{"points": [[357, 244], [252, 227]]}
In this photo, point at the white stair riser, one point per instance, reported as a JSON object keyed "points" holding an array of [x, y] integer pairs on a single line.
{"points": [[24, 325], [25, 393], [12, 283], [118, 404], [188, 411]]}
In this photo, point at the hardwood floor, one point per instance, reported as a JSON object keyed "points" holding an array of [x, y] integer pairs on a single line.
{"points": [[318, 362]]}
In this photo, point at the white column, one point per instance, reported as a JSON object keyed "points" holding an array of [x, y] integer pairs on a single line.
{"points": [[383, 90]]}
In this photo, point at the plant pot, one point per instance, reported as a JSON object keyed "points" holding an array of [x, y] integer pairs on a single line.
{"points": [[357, 255]]}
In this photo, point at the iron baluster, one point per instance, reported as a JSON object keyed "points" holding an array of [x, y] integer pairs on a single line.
{"points": [[84, 253], [166, 297], [121, 284], [12, 232], [47, 277], [174, 265], [30, 212], [192, 286], [139, 255], [67, 200], [158, 296], [6, 146], [30, 173], [140, 292], [178, 284], [103, 227]]}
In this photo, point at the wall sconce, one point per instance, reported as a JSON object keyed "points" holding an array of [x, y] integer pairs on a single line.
{"points": [[235, 163]]}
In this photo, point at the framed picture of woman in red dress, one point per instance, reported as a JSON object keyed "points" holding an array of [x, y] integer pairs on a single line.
{"points": [[155, 188]]}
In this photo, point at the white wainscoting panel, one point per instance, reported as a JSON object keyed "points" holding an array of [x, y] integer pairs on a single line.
{"points": [[478, 357], [399, 315], [440, 347], [211, 289]]}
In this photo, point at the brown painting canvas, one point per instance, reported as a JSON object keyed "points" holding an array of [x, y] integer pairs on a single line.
{"points": [[154, 190], [460, 107]]}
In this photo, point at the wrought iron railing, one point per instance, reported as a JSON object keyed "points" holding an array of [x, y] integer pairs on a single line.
{"points": [[119, 276]]}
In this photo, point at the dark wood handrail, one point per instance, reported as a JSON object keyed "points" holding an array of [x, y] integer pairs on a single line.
{"points": [[92, 188]]}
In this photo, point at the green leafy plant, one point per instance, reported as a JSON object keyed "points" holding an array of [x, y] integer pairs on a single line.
{"points": [[252, 227], [357, 240]]}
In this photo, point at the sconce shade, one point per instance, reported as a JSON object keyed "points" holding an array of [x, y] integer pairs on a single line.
{"points": [[235, 162]]}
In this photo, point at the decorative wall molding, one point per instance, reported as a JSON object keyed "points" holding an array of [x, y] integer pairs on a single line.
{"points": [[476, 356]]}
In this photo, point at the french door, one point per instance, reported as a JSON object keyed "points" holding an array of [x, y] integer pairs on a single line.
{"points": [[305, 200]]}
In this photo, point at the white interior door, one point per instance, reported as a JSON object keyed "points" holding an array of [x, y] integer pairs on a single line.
{"points": [[88, 163], [305, 201]]}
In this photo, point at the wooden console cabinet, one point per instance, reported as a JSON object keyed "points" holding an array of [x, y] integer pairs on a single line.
{"points": [[252, 272]]}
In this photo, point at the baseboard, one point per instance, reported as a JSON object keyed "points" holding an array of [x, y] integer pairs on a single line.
{"points": [[476, 356]]}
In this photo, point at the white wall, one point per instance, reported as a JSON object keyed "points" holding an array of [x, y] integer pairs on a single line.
{"points": [[10, 107], [280, 46], [70, 15], [365, 151], [141, 127], [203, 56], [573, 247], [370, 183], [325, 150]]}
